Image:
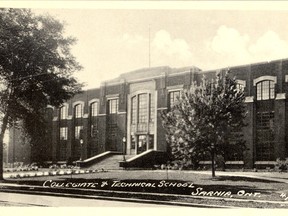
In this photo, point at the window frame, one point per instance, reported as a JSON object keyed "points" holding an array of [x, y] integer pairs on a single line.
{"points": [[94, 106], [63, 112], [77, 131], [173, 91], [78, 113], [113, 108], [265, 90], [63, 131]]}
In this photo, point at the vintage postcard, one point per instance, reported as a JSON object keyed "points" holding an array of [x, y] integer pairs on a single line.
{"points": [[144, 104]]}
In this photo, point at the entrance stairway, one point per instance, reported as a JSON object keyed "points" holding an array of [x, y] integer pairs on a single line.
{"points": [[114, 160], [110, 163]]}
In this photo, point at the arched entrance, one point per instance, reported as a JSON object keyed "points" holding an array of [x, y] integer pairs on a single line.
{"points": [[141, 121]]}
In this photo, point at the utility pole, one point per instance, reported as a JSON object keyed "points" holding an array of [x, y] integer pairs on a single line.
{"points": [[149, 49], [13, 149]]}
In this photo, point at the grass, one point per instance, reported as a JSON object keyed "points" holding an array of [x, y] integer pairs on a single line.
{"points": [[246, 191]]}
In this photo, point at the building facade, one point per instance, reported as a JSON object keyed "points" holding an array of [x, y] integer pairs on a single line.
{"points": [[129, 106]]}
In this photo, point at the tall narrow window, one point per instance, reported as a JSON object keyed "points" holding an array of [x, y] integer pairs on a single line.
{"points": [[94, 130], [142, 112], [63, 112], [151, 108], [94, 109], [113, 106], [265, 90], [63, 133], [78, 111], [265, 136], [142, 107], [173, 97], [133, 110], [78, 130]]}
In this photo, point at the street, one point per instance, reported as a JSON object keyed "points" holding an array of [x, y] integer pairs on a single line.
{"points": [[16, 199]]}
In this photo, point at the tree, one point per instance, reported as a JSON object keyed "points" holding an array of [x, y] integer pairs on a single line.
{"points": [[36, 69], [207, 119]]}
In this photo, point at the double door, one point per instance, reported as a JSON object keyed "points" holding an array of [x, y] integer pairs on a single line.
{"points": [[141, 143]]}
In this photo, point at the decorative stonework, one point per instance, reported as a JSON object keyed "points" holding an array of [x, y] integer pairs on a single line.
{"points": [[175, 88], [112, 96], [281, 96], [262, 78], [162, 108], [102, 114], [249, 99], [121, 113], [93, 100], [78, 102], [50, 107], [142, 86]]}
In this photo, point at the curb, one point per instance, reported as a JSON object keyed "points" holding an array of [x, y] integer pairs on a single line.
{"points": [[83, 196]]}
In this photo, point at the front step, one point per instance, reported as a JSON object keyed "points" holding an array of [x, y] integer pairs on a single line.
{"points": [[110, 163]]}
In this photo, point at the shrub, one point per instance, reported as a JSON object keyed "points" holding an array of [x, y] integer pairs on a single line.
{"points": [[282, 164], [54, 166]]}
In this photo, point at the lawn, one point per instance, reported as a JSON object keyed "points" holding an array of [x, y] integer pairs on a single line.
{"points": [[229, 189]]}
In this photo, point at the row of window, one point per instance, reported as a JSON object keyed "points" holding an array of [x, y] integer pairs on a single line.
{"points": [[79, 109], [265, 90], [77, 132], [142, 108]]}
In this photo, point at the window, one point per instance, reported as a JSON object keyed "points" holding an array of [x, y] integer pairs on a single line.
{"points": [[142, 108], [265, 136], [151, 108], [63, 112], [113, 106], [63, 133], [265, 90], [94, 130], [78, 111], [133, 110], [240, 87], [78, 131], [173, 98], [94, 109]]}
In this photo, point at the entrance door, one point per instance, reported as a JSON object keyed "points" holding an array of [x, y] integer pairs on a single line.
{"points": [[141, 144]]}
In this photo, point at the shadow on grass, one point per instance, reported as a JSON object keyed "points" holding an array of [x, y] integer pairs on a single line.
{"points": [[245, 179]]}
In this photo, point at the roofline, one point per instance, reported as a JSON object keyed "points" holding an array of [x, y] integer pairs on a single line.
{"points": [[245, 65]]}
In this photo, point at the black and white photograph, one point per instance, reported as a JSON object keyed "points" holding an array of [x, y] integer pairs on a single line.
{"points": [[158, 104]]}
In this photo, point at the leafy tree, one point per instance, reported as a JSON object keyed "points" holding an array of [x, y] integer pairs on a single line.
{"points": [[206, 120], [36, 69]]}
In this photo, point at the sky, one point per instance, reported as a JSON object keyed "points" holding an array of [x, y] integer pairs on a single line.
{"points": [[114, 41]]}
